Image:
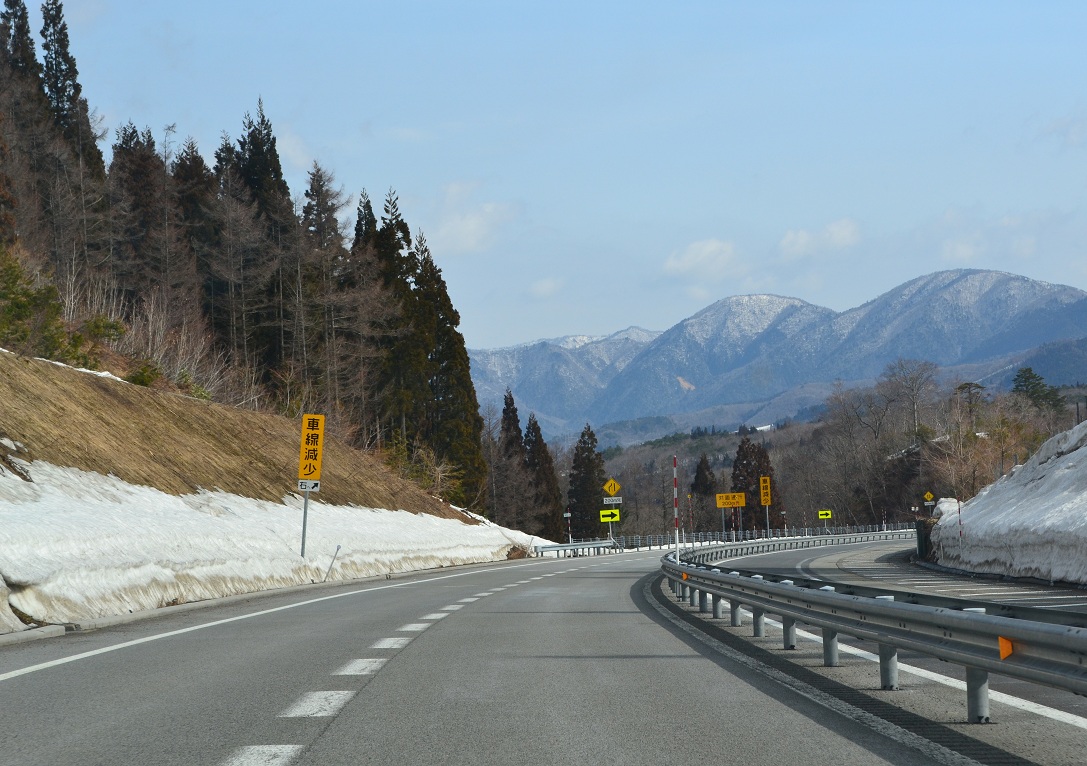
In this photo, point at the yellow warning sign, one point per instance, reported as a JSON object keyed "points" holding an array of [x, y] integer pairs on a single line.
{"points": [[731, 500], [929, 496], [313, 443], [612, 486]]}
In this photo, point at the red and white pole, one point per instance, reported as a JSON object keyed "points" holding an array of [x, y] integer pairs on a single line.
{"points": [[675, 499]]}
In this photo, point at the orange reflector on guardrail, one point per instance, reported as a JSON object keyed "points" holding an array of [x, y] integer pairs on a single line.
{"points": [[1005, 647]]}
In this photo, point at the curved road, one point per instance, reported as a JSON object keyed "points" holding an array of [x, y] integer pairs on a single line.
{"points": [[549, 661]]}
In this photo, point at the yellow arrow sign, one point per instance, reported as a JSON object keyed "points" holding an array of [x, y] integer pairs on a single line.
{"points": [[612, 486], [612, 514], [826, 513]]}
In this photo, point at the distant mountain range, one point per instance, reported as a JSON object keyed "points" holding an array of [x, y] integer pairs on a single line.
{"points": [[759, 358]]}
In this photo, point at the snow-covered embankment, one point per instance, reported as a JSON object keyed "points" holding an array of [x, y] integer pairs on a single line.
{"points": [[77, 545], [1030, 523]]}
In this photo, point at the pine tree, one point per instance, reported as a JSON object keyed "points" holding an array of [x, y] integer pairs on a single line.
{"points": [[8, 203], [1032, 386], [60, 78], [752, 462], [704, 491], [546, 495], [585, 495], [18, 42]]}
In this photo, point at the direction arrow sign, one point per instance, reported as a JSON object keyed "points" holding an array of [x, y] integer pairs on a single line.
{"points": [[612, 486], [826, 513], [609, 515], [613, 501]]}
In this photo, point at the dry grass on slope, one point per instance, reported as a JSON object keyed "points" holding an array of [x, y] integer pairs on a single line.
{"points": [[178, 444]]}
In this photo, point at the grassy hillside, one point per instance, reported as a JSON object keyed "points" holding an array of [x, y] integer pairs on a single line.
{"points": [[178, 444]]}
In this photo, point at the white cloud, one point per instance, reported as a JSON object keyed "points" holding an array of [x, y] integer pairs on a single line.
{"points": [[545, 288], [836, 235], [708, 260], [465, 226]]}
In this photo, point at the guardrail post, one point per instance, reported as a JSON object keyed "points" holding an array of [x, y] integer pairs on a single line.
{"points": [[692, 596], [758, 623], [830, 641], [734, 613], [888, 660], [888, 667], [977, 695], [788, 626], [717, 606], [683, 588], [703, 601]]}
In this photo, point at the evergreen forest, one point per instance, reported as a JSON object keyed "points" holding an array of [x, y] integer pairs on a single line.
{"points": [[203, 275]]}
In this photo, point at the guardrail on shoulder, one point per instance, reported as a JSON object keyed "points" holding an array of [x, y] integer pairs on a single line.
{"points": [[585, 548], [1049, 654]]}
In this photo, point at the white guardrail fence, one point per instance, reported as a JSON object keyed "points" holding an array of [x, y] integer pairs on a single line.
{"points": [[1030, 650]]}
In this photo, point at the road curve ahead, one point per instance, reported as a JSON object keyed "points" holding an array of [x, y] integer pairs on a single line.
{"points": [[544, 661]]}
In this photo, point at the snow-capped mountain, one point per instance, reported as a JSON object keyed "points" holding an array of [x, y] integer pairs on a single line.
{"points": [[769, 356]]}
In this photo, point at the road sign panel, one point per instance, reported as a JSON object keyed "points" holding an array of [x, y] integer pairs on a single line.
{"points": [[305, 485], [313, 444], [612, 486], [826, 513], [613, 501], [731, 500], [929, 496], [764, 490], [611, 514]]}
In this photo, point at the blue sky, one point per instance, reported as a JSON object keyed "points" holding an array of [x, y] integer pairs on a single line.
{"points": [[578, 168]]}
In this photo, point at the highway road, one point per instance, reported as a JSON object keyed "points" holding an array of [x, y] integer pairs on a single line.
{"points": [[562, 661]]}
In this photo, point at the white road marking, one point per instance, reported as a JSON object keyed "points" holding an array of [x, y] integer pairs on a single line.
{"points": [[261, 613], [468, 600], [1007, 699], [435, 616], [452, 607], [263, 755], [318, 704], [364, 667], [414, 627], [398, 642]]}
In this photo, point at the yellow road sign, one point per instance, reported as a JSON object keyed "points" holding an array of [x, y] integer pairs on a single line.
{"points": [[731, 500], [612, 514], [764, 490], [313, 444], [826, 513], [929, 496], [612, 486]]}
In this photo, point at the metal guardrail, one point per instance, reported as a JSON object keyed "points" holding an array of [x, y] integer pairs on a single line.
{"points": [[584, 548], [1045, 653]]}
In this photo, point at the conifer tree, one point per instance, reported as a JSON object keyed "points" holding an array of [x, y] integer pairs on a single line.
{"points": [[585, 494], [704, 491], [60, 78], [547, 497], [752, 462], [18, 40]]}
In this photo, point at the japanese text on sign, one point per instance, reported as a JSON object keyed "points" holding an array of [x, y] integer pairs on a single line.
{"points": [[764, 490], [313, 442], [731, 500]]}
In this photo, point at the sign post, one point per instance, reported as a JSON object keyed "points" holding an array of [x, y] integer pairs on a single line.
{"points": [[309, 464], [825, 513], [764, 496], [611, 486], [675, 499], [730, 500]]}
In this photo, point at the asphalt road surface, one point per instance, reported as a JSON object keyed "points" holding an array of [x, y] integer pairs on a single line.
{"points": [[564, 661]]}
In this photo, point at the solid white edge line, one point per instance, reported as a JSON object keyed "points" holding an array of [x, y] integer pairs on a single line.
{"points": [[1031, 707], [215, 623]]}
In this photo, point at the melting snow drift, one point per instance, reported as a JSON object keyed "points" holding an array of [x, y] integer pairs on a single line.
{"points": [[77, 545], [1030, 523]]}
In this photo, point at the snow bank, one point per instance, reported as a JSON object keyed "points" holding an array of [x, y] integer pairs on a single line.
{"points": [[1030, 523], [77, 545]]}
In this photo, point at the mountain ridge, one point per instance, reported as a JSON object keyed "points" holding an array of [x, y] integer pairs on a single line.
{"points": [[738, 355]]}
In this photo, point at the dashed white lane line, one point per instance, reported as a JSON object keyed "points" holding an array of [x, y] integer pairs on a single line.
{"points": [[263, 755], [414, 627], [452, 607], [434, 616], [468, 600], [398, 642], [363, 667], [318, 704]]}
